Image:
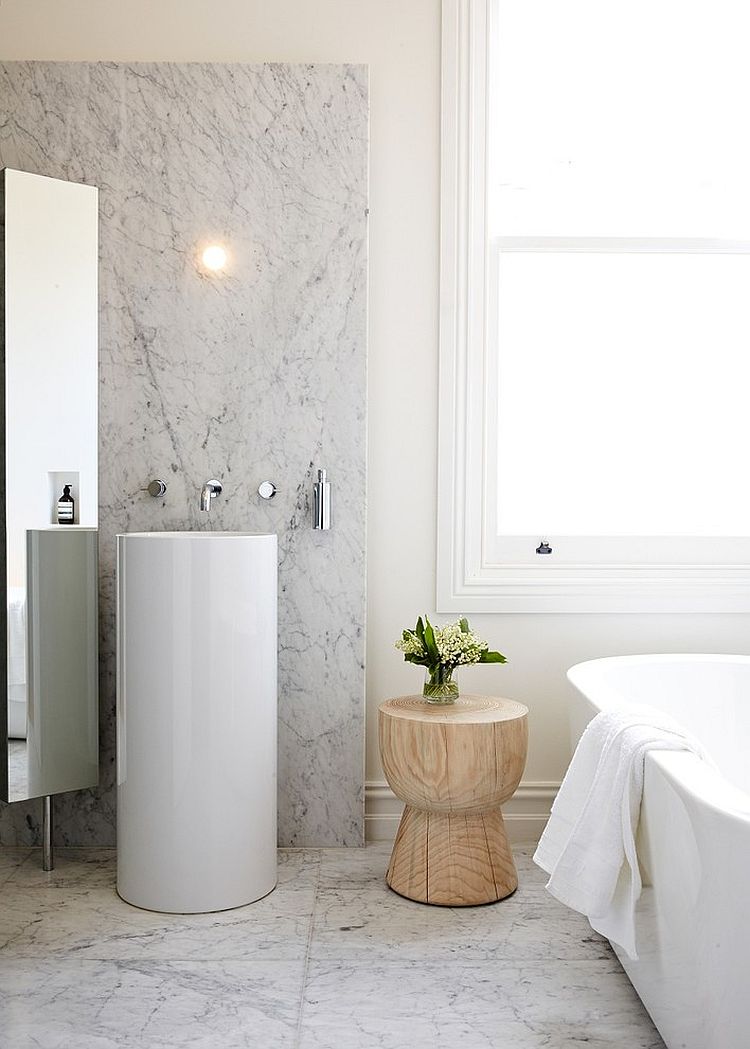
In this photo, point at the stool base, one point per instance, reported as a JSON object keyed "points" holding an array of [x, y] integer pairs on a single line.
{"points": [[452, 859]]}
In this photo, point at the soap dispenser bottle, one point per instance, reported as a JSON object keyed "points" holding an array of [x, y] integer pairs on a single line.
{"points": [[66, 507], [322, 502]]}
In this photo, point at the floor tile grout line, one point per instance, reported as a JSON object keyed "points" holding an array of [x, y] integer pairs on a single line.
{"points": [[308, 951], [24, 863], [321, 951]]}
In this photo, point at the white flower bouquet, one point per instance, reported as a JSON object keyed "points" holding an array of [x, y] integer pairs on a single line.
{"points": [[440, 650]]}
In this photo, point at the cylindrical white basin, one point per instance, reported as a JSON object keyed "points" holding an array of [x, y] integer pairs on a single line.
{"points": [[196, 729]]}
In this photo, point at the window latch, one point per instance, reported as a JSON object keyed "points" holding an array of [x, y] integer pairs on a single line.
{"points": [[544, 547]]}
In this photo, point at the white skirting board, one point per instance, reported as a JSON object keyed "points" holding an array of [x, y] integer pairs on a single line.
{"points": [[525, 814]]}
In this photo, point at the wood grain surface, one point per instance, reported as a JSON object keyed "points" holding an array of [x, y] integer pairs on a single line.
{"points": [[452, 766]]}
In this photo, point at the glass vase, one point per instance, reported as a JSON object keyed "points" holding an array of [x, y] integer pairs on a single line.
{"points": [[439, 685]]}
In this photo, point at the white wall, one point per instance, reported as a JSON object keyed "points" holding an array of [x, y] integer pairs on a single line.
{"points": [[400, 40]]}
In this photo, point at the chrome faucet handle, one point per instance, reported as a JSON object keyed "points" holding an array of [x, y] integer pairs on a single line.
{"points": [[155, 488], [209, 491], [267, 489]]}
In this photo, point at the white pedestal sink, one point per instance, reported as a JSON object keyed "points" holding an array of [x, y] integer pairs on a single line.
{"points": [[196, 734]]}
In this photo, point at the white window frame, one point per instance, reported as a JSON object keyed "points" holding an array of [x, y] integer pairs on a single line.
{"points": [[469, 577]]}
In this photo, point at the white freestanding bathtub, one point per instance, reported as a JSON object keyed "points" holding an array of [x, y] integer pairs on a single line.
{"points": [[693, 918]]}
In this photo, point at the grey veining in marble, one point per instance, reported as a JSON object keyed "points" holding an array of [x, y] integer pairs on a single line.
{"points": [[157, 1005], [256, 374], [78, 966]]}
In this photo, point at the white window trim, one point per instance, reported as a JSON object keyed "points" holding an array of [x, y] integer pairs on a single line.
{"points": [[466, 579]]}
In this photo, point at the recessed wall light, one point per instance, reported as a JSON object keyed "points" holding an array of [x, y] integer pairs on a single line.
{"points": [[214, 257]]}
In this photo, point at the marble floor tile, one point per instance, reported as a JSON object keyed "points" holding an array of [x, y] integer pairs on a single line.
{"points": [[332, 959], [70, 1003], [472, 1006], [448, 1032], [11, 860], [301, 867], [530, 877], [353, 868], [99, 925], [375, 922], [91, 867], [76, 908], [87, 868]]}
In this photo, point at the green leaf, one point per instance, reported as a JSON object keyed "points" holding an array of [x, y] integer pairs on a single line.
{"points": [[464, 624], [419, 630], [492, 657], [420, 661], [429, 642]]}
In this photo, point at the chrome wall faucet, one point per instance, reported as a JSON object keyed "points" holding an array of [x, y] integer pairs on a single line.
{"points": [[209, 491]]}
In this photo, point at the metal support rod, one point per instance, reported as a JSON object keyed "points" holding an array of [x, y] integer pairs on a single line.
{"points": [[48, 858]]}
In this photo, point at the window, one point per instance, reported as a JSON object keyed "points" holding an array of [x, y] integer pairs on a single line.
{"points": [[595, 327]]}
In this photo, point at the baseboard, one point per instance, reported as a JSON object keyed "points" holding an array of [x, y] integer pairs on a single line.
{"points": [[525, 814]]}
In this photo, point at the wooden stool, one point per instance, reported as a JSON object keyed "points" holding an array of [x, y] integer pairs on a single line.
{"points": [[452, 766]]}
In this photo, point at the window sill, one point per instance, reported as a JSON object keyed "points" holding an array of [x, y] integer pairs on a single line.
{"points": [[687, 589]]}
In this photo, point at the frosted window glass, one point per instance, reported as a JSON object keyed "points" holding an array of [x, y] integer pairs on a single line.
{"points": [[620, 119], [624, 394]]}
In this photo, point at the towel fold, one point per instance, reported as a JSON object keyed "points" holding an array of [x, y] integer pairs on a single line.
{"points": [[588, 846]]}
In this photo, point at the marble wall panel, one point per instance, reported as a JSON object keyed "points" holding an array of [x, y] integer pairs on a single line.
{"points": [[255, 373]]}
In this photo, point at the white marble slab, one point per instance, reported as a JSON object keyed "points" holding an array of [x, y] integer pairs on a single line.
{"points": [[78, 967], [357, 913], [75, 909], [257, 374], [556, 1005], [379, 924], [10, 861], [61, 1003]]}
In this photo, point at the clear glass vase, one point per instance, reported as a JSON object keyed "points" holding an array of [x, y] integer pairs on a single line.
{"points": [[440, 685]]}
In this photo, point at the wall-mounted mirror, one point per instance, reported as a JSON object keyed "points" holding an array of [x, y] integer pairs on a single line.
{"points": [[49, 506]]}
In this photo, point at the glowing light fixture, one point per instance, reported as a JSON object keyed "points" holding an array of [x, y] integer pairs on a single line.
{"points": [[214, 257]]}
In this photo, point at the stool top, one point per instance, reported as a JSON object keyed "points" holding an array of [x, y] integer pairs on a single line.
{"points": [[467, 710]]}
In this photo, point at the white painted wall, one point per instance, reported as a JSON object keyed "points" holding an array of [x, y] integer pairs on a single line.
{"points": [[400, 40]]}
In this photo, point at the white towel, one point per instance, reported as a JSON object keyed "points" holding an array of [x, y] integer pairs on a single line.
{"points": [[588, 845]]}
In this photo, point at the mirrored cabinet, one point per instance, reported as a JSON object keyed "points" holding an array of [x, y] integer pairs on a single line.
{"points": [[49, 506]]}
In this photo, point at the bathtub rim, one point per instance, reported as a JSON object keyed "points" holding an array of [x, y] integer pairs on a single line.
{"points": [[700, 782]]}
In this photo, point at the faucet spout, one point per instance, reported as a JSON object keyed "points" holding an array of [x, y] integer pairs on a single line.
{"points": [[209, 491]]}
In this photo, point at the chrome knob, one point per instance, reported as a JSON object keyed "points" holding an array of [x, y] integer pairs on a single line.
{"points": [[267, 489], [156, 488]]}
